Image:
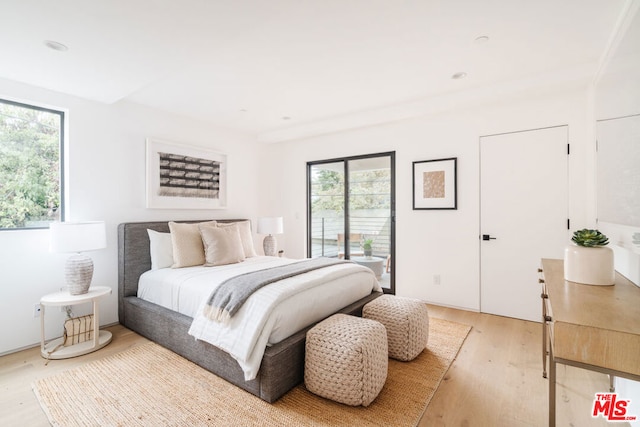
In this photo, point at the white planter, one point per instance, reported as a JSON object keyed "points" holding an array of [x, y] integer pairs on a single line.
{"points": [[590, 266]]}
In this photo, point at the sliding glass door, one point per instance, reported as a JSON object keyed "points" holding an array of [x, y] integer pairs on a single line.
{"points": [[351, 212]]}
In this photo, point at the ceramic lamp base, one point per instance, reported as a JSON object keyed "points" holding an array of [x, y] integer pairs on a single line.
{"points": [[78, 271], [589, 266], [270, 246]]}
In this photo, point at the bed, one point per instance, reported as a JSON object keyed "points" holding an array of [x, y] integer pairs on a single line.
{"points": [[281, 366]]}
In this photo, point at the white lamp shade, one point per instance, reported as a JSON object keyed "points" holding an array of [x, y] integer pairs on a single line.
{"points": [[77, 236], [270, 225]]}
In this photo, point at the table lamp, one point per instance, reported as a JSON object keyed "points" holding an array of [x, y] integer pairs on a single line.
{"points": [[270, 226], [78, 237]]}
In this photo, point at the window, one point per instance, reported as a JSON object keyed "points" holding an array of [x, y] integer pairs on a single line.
{"points": [[31, 179]]}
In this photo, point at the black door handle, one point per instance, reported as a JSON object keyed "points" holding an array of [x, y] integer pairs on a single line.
{"points": [[487, 237]]}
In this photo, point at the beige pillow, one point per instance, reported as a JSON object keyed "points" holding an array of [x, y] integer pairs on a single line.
{"points": [[187, 244], [222, 245], [244, 227]]}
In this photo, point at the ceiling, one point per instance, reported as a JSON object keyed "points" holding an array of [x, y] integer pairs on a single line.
{"points": [[262, 67]]}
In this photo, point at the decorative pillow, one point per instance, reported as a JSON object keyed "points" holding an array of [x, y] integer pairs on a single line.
{"points": [[187, 244], [222, 245], [161, 249], [244, 227]]}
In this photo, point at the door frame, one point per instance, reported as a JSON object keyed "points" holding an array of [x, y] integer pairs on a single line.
{"points": [[345, 161]]}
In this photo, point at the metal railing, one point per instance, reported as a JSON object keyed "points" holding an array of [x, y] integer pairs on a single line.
{"points": [[327, 235]]}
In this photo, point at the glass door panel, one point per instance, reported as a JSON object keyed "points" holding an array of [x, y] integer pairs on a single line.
{"points": [[369, 208], [326, 208]]}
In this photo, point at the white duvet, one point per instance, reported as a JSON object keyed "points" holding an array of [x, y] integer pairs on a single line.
{"points": [[270, 315]]}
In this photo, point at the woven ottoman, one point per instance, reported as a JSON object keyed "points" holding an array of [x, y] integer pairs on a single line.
{"points": [[406, 321], [346, 359]]}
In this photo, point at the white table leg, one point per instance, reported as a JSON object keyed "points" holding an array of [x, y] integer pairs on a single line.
{"points": [[41, 327], [96, 323]]}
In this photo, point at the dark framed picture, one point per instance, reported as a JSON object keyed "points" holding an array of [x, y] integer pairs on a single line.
{"points": [[435, 184]]}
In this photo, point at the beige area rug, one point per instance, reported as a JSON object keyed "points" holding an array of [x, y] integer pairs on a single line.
{"points": [[150, 386]]}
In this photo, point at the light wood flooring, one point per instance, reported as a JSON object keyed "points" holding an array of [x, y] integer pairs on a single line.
{"points": [[495, 381]]}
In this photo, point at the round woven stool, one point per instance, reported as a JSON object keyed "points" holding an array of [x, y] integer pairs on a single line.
{"points": [[346, 359], [406, 321]]}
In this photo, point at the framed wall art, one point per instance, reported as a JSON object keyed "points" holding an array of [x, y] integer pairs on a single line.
{"points": [[435, 184], [185, 177]]}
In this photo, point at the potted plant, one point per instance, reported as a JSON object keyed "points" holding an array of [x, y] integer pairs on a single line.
{"points": [[366, 246], [588, 260]]}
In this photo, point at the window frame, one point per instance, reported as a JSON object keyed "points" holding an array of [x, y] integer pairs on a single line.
{"points": [[345, 160], [61, 157]]}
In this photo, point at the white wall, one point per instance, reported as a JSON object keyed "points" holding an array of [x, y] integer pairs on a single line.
{"points": [[106, 181], [432, 242]]}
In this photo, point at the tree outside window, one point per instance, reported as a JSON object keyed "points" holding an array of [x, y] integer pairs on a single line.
{"points": [[369, 190], [30, 166]]}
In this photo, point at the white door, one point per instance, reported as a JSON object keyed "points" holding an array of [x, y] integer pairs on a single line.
{"points": [[523, 214]]}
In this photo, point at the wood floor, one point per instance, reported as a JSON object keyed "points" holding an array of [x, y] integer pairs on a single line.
{"points": [[495, 381]]}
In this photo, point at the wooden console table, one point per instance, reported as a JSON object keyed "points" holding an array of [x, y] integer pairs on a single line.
{"points": [[590, 327]]}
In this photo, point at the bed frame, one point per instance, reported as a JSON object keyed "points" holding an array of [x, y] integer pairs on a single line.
{"points": [[282, 366]]}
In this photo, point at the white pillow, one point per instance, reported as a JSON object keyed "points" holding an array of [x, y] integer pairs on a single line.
{"points": [[187, 244], [161, 249], [244, 227], [222, 245]]}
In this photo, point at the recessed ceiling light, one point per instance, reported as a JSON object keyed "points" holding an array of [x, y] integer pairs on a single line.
{"points": [[244, 110], [55, 45], [482, 39], [286, 118], [459, 75]]}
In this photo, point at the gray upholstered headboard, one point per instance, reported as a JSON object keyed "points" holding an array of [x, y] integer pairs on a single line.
{"points": [[133, 254]]}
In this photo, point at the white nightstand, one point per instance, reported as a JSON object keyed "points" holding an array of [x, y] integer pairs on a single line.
{"points": [[58, 299]]}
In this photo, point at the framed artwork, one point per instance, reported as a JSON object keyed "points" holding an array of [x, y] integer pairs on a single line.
{"points": [[435, 184], [184, 177]]}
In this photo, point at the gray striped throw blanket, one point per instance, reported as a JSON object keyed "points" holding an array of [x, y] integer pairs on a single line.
{"points": [[229, 296]]}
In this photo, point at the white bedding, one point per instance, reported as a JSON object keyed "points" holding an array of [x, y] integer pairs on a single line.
{"points": [[270, 315]]}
